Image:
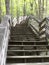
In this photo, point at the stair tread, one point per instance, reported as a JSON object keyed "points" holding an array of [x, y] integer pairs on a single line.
{"points": [[43, 63], [22, 34], [45, 56], [28, 41], [28, 50], [29, 45]]}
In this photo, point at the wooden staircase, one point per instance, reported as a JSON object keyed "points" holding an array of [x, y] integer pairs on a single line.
{"points": [[26, 47]]}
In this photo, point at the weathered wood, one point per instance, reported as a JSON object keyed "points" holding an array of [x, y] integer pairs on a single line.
{"points": [[28, 45], [34, 28], [42, 27], [43, 63], [42, 21], [27, 41], [41, 33], [34, 18], [28, 56], [28, 50]]}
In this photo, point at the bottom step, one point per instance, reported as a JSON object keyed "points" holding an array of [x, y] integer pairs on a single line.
{"points": [[28, 59], [30, 64]]}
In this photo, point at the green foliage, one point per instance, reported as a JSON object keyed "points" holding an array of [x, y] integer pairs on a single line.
{"points": [[3, 8], [19, 7]]}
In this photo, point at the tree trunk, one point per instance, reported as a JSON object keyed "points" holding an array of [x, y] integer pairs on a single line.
{"points": [[17, 11], [24, 9], [46, 7], [39, 4], [42, 12], [41, 9], [36, 10], [0, 11], [7, 2]]}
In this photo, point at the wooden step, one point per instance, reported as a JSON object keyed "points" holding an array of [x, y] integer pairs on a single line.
{"points": [[27, 42], [28, 50], [43, 63], [45, 56], [28, 45], [28, 60], [20, 34]]}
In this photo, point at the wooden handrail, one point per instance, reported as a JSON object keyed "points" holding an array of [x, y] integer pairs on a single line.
{"points": [[47, 35], [41, 33], [34, 29], [33, 17], [42, 22], [42, 27], [47, 18]]}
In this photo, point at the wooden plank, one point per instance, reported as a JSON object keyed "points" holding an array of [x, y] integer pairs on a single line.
{"points": [[43, 63], [45, 56], [40, 28], [34, 18], [34, 28], [28, 50], [27, 41], [43, 38], [43, 32], [47, 35], [21, 34], [47, 26], [47, 18], [28, 45], [42, 21]]}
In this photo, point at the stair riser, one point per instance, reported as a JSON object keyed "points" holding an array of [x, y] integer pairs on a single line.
{"points": [[29, 60], [27, 43]]}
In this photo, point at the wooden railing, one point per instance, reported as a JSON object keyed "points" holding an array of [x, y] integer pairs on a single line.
{"points": [[43, 27], [4, 38], [47, 28], [33, 26], [42, 30], [33, 17]]}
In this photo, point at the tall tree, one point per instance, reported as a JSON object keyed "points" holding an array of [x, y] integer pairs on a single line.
{"points": [[46, 6], [0, 10], [7, 2], [31, 5], [39, 4], [17, 11], [24, 8], [42, 9], [36, 9]]}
